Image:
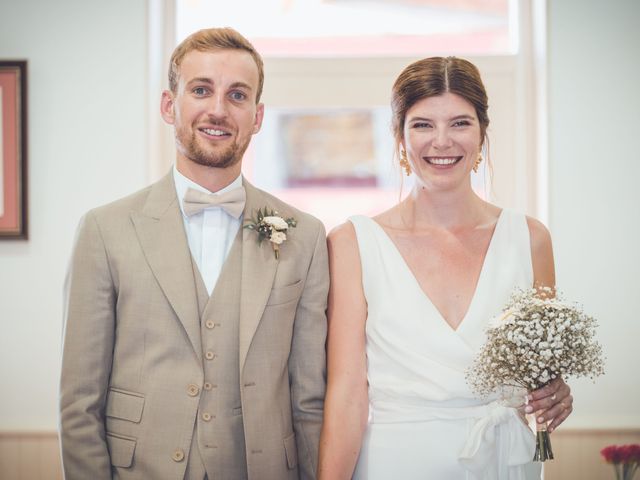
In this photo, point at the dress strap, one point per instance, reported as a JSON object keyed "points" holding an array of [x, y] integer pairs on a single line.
{"points": [[366, 246], [516, 236]]}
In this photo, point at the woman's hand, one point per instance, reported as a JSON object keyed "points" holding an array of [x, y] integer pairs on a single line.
{"points": [[552, 403]]}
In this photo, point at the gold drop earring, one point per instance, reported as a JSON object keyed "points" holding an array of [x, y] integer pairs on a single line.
{"points": [[477, 162], [404, 162]]}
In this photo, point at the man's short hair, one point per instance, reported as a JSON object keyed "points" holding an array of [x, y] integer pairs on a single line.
{"points": [[210, 39]]}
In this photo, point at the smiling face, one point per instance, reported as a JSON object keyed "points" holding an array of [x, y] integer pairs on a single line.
{"points": [[442, 138], [214, 109]]}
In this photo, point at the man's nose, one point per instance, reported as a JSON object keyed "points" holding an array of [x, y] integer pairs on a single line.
{"points": [[217, 107]]}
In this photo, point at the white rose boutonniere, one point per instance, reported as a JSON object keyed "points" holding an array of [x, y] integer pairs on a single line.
{"points": [[269, 225]]}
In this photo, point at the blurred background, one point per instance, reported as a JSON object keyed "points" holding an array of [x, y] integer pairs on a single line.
{"points": [[564, 106]]}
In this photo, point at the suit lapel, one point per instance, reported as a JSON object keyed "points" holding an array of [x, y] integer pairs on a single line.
{"points": [[259, 267], [160, 230]]}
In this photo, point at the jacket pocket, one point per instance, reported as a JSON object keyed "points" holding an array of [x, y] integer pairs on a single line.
{"points": [[291, 451], [124, 405], [285, 294], [121, 449]]}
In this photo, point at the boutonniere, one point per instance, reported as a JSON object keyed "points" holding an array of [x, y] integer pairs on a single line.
{"points": [[269, 225]]}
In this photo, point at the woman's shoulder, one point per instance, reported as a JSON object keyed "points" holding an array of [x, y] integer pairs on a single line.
{"points": [[347, 231], [342, 237], [541, 253], [539, 236], [342, 232], [344, 252], [357, 232], [538, 233]]}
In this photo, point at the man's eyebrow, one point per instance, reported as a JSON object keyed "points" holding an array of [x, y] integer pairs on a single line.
{"points": [[200, 80], [241, 85], [208, 81]]}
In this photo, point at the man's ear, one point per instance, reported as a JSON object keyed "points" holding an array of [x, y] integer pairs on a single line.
{"points": [[167, 107], [259, 116]]}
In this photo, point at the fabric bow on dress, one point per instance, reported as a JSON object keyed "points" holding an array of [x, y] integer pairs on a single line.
{"points": [[501, 434]]}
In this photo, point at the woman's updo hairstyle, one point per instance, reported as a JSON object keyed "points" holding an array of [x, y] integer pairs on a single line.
{"points": [[435, 76]]}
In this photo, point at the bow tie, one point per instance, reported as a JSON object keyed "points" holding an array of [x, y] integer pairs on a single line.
{"points": [[231, 202]]}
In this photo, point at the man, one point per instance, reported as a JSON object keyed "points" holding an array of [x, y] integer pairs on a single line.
{"points": [[192, 350]]}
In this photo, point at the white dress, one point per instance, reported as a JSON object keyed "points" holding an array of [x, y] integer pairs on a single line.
{"points": [[424, 421]]}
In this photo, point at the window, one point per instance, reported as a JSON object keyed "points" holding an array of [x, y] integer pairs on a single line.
{"points": [[353, 28], [326, 144]]}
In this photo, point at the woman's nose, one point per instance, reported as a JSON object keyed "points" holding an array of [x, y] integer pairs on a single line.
{"points": [[442, 139]]}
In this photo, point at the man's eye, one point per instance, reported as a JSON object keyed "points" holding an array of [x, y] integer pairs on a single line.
{"points": [[200, 91], [238, 96]]}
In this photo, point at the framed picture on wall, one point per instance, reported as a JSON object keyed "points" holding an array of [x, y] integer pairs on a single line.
{"points": [[13, 149]]}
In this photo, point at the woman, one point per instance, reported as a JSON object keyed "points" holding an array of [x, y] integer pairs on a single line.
{"points": [[411, 293]]}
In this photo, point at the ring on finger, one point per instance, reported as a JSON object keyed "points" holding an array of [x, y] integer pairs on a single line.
{"points": [[553, 397]]}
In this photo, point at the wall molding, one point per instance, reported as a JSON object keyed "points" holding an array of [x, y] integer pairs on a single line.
{"points": [[30, 455], [34, 455]]}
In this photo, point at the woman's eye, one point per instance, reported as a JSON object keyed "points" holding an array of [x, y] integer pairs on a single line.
{"points": [[461, 123], [421, 125]]}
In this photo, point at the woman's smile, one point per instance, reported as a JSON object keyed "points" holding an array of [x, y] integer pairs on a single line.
{"points": [[441, 162]]}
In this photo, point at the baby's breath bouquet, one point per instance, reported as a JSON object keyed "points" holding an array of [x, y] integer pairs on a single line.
{"points": [[538, 338]]}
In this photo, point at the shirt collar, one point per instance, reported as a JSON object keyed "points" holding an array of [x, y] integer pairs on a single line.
{"points": [[183, 184]]}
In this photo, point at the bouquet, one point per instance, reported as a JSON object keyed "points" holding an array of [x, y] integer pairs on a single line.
{"points": [[625, 459], [538, 338]]}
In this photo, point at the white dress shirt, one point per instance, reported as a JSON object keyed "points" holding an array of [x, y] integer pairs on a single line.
{"points": [[210, 233]]}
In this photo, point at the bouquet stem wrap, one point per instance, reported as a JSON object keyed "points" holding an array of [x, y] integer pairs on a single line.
{"points": [[543, 444]]}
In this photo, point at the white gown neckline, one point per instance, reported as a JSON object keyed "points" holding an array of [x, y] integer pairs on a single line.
{"points": [[488, 257]]}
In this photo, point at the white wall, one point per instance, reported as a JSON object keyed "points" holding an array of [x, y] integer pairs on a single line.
{"points": [[594, 53], [87, 134], [87, 139]]}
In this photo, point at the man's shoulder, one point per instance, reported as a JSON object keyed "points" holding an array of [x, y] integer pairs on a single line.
{"points": [[124, 206]]}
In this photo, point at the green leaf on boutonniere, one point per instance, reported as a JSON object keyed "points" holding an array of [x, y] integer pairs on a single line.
{"points": [[270, 225]]}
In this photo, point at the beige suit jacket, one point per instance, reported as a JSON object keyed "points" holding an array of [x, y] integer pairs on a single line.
{"points": [[132, 367]]}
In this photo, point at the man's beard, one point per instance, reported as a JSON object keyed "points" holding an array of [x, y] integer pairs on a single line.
{"points": [[227, 158]]}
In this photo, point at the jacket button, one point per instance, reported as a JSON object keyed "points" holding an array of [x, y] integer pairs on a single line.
{"points": [[209, 355], [206, 416], [178, 455], [193, 390], [209, 324]]}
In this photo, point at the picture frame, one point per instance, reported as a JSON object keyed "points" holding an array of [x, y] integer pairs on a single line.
{"points": [[13, 149]]}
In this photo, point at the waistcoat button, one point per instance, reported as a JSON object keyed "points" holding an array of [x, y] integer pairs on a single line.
{"points": [[193, 390], [178, 455]]}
